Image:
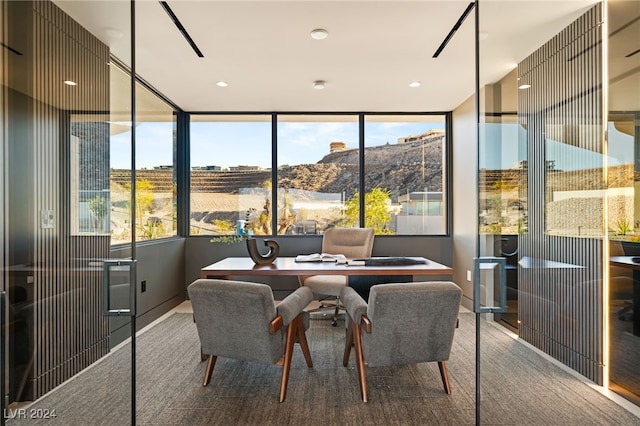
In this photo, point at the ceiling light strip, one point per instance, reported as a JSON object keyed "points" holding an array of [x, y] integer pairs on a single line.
{"points": [[181, 28], [454, 29], [635, 52], [10, 49]]}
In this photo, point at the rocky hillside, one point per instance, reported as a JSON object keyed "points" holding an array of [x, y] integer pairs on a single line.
{"points": [[399, 168]]}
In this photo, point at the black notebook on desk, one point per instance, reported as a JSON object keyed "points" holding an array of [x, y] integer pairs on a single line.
{"points": [[387, 261]]}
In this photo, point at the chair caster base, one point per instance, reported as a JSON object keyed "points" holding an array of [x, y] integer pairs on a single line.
{"points": [[334, 323]]}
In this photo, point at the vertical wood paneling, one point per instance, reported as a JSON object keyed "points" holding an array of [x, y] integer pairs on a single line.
{"points": [[560, 308], [68, 328]]}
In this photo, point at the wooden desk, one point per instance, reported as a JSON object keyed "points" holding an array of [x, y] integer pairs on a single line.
{"points": [[231, 266], [628, 262]]}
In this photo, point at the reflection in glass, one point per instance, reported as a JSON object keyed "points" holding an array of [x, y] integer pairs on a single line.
{"points": [[89, 174], [623, 186], [503, 168]]}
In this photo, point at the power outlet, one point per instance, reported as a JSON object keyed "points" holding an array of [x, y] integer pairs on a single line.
{"points": [[143, 286]]}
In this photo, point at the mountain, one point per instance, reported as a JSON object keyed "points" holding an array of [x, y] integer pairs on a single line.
{"points": [[399, 168]]}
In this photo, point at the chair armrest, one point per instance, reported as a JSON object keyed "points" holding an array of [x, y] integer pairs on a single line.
{"points": [[354, 304], [276, 324], [294, 303]]}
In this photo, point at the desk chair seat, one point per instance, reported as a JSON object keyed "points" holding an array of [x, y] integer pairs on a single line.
{"points": [[418, 318], [240, 320], [351, 242]]}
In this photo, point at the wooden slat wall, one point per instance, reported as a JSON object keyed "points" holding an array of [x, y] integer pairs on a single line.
{"points": [[560, 309], [69, 330]]}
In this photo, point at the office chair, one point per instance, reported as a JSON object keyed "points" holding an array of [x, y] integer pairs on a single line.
{"points": [[351, 242], [419, 318]]}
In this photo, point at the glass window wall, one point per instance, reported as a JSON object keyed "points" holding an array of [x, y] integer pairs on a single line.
{"points": [[318, 173]]}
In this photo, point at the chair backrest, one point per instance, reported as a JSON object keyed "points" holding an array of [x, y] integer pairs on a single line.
{"points": [[233, 319], [352, 242], [411, 323]]}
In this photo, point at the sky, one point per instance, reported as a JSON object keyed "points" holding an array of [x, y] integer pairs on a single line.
{"points": [[227, 144]]}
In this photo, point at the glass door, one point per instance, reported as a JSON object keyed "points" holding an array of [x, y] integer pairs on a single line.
{"points": [[61, 106], [623, 131], [542, 158]]}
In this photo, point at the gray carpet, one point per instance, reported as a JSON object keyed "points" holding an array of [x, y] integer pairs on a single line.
{"points": [[519, 387]]}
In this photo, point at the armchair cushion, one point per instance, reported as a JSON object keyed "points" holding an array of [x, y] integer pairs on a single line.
{"points": [[327, 285]]}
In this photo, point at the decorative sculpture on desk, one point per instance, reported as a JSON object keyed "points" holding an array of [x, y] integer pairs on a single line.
{"points": [[259, 258], [246, 229]]}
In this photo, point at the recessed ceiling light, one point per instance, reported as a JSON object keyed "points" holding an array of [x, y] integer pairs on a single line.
{"points": [[70, 83], [222, 84], [319, 34], [415, 84], [524, 86], [319, 84]]}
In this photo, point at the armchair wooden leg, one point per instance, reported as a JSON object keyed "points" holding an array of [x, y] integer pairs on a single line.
{"points": [[288, 354], [349, 342], [360, 362], [301, 337], [209, 370], [444, 373]]}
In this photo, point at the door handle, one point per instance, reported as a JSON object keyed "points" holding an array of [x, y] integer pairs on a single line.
{"points": [[114, 294], [490, 262]]}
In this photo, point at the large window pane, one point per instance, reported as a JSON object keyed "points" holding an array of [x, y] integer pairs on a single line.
{"points": [[318, 173], [230, 174], [404, 174], [155, 203]]}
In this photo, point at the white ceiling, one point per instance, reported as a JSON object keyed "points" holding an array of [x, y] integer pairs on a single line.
{"points": [[375, 48]]}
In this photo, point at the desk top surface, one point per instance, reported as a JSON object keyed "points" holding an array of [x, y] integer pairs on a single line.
{"points": [[288, 266]]}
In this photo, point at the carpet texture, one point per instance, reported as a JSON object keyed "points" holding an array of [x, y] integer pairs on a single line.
{"points": [[519, 387]]}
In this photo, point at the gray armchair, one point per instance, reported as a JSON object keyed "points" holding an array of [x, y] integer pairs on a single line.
{"points": [[403, 324], [240, 320], [351, 242]]}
